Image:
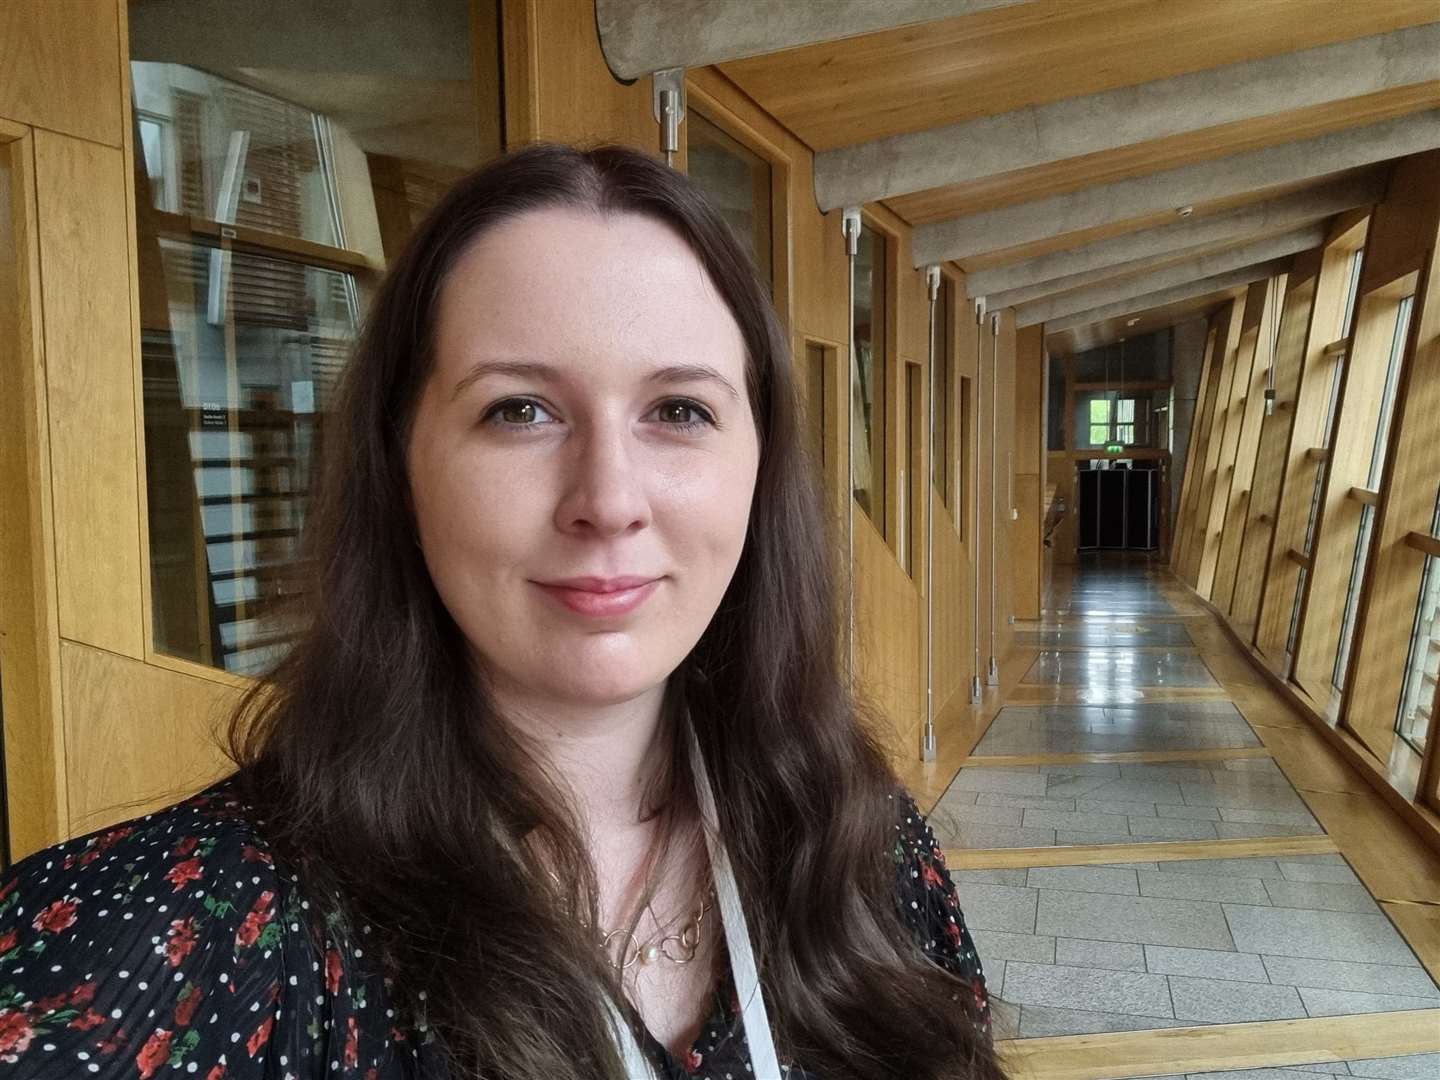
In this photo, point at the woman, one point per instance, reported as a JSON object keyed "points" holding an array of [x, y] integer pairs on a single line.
{"points": [[569, 694]]}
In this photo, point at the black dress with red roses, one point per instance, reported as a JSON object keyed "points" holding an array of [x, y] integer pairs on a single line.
{"points": [[175, 945]]}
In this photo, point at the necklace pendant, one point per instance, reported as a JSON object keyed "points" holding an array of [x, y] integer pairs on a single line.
{"points": [[649, 954]]}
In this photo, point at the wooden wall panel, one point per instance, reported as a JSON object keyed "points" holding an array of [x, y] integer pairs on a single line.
{"points": [[60, 61], [35, 779], [90, 386], [888, 657], [139, 736], [1194, 459], [1274, 438], [1252, 415], [1029, 468], [558, 86], [1409, 487], [1201, 569]]}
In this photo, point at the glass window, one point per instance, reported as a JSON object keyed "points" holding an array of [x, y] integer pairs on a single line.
{"points": [[737, 182], [867, 421], [816, 360], [1422, 666], [1352, 291], [942, 376], [269, 197], [1387, 397]]}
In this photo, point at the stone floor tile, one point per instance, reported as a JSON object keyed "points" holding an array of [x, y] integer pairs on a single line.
{"points": [[1094, 879], [1075, 822], [1236, 830], [1082, 768], [1326, 872], [988, 877], [1321, 897], [1000, 907], [1064, 786], [1205, 964], [1320, 1002], [1192, 813], [1235, 890], [1000, 836], [1002, 945], [1126, 790], [1344, 975], [1259, 868], [1221, 1001], [999, 780], [1109, 955], [1004, 1019], [1175, 828], [1408, 1067], [1037, 1021], [1039, 802], [1128, 992], [1250, 796], [984, 815], [1317, 935], [1141, 919], [1266, 817], [1102, 806]]}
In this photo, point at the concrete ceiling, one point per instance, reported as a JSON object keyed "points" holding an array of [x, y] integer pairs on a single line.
{"points": [[1045, 147]]}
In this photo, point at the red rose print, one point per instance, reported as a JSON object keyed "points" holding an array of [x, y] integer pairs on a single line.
{"points": [[260, 1037], [953, 929], [332, 971], [8, 942], [372, 1073], [932, 878], [183, 872], [83, 994], [58, 916], [15, 1034], [185, 1010], [257, 919], [352, 1043], [181, 940], [217, 1073], [51, 1003], [153, 1054], [91, 1019], [250, 853], [8, 888], [692, 1061], [186, 845]]}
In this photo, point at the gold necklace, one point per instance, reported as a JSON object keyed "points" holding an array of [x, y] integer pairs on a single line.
{"points": [[687, 942]]}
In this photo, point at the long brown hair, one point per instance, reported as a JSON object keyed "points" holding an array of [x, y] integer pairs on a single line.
{"points": [[382, 768]]}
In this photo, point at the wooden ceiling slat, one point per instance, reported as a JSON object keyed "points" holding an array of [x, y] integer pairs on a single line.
{"points": [[857, 89]]}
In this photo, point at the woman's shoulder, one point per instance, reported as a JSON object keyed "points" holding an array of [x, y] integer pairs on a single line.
{"points": [[170, 940]]}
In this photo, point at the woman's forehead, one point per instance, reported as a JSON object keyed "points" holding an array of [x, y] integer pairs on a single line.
{"points": [[565, 282]]}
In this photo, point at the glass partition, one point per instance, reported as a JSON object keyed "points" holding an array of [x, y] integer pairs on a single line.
{"points": [[277, 171], [1422, 665], [738, 183], [867, 420]]}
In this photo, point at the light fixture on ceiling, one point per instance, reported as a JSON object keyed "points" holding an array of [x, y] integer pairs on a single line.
{"points": [[1185, 211], [1132, 322]]}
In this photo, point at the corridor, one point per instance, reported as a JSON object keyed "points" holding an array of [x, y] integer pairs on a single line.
{"points": [[1156, 854]]}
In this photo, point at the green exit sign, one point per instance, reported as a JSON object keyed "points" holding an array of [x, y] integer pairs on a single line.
{"points": [[1114, 448]]}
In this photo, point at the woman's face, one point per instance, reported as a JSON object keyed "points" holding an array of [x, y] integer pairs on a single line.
{"points": [[583, 455]]}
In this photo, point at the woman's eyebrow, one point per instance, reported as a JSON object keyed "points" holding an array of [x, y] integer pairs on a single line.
{"points": [[671, 373]]}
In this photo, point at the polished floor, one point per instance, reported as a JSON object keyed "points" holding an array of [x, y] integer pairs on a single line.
{"points": [[1131, 722]]}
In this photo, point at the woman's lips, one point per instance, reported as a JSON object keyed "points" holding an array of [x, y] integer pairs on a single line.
{"points": [[600, 605]]}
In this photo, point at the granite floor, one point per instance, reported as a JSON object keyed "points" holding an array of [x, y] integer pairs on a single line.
{"points": [[1122, 668], [1139, 945], [1059, 729], [1117, 803]]}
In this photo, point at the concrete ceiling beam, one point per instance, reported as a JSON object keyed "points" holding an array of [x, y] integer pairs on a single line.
{"points": [[1109, 204], [1162, 270], [642, 36], [1273, 215], [1202, 266], [1174, 295], [1094, 123]]}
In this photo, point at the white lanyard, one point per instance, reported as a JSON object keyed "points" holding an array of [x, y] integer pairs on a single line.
{"points": [[765, 1065]]}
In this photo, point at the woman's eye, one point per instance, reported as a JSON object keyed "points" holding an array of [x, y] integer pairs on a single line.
{"points": [[518, 412], [683, 414]]}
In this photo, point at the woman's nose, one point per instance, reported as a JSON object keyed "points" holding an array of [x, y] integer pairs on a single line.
{"points": [[604, 490]]}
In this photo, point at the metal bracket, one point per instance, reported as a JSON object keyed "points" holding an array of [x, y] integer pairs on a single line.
{"points": [[932, 281], [669, 102], [850, 226], [979, 310], [992, 676], [975, 692], [995, 323]]}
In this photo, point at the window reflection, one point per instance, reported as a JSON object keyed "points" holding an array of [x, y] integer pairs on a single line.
{"points": [[737, 183], [1422, 666], [867, 419], [275, 176]]}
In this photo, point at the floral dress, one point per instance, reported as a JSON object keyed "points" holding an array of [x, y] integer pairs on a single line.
{"points": [[175, 945]]}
